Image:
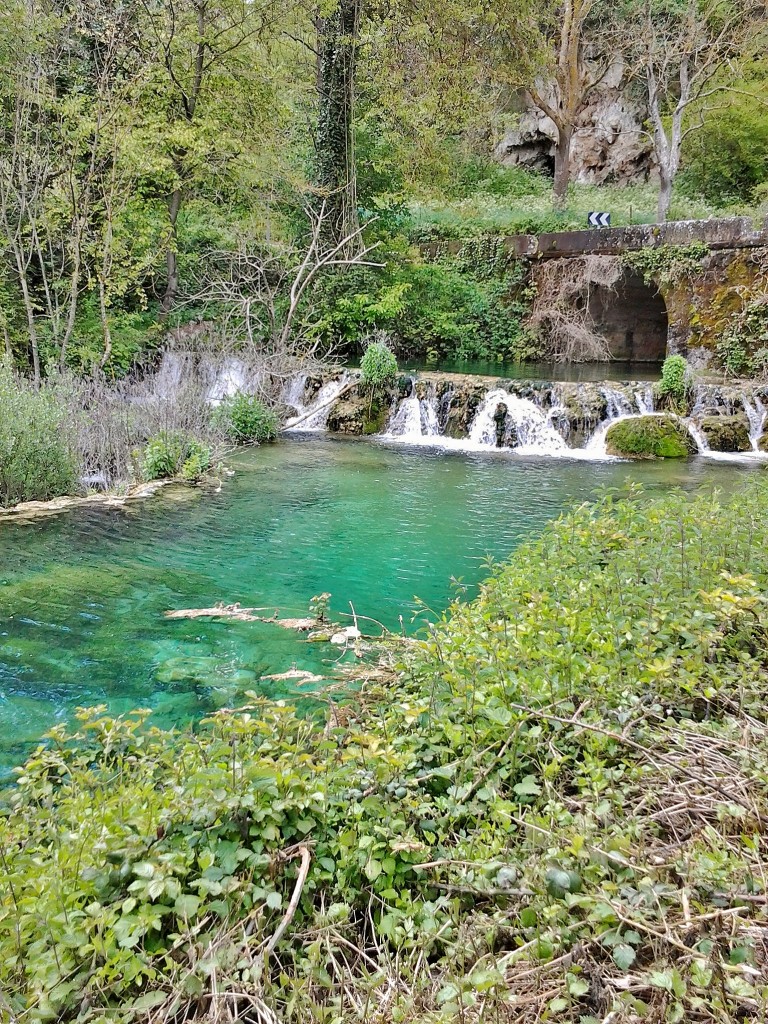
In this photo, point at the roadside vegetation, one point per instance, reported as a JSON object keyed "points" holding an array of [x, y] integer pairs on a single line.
{"points": [[552, 808]]}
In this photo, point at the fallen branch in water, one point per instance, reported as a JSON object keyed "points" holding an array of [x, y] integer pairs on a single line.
{"points": [[320, 631]]}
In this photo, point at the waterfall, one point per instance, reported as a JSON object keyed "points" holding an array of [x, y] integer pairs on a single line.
{"points": [[698, 436], [229, 378], [413, 419], [618, 407], [170, 375], [533, 429], [756, 414], [567, 420], [313, 416], [644, 400]]}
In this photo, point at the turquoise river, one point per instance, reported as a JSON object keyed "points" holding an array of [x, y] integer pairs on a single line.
{"points": [[82, 594]]}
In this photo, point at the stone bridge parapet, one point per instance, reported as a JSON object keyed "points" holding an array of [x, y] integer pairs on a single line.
{"points": [[695, 310], [720, 233]]}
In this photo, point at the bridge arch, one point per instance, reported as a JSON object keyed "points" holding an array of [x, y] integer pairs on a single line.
{"points": [[632, 317]]}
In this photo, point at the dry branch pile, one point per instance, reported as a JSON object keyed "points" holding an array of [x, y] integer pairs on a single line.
{"points": [[561, 309]]}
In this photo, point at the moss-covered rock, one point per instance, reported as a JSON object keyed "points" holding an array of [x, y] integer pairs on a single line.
{"points": [[726, 433], [360, 413], [762, 444], [648, 437]]}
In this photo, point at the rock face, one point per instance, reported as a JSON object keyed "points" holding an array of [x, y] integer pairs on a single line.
{"points": [[649, 437], [726, 433], [608, 146]]}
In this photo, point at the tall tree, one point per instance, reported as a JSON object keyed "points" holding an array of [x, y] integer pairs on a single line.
{"points": [[688, 52], [337, 54], [197, 52], [578, 48]]}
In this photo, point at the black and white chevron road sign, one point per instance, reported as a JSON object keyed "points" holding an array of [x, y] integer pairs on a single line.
{"points": [[599, 220]]}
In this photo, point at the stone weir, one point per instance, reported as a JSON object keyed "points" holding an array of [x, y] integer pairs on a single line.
{"points": [[532, 417]]}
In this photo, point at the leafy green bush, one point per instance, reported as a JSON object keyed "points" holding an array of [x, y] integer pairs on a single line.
{"points": [[247, 420], [662, 437], [503, 816], [175, 454], [742, 348], [727, 159], [471, 305], [667, 264], [37, 460], [378, 365], [674, 377]]}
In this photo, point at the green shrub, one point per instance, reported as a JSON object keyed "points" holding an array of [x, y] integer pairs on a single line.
{"points": [[471, 305], [643, 437], [667, 264], [247, 420], [727, 159], [742, 348], [378, 365], [37, 461], [674, 377], [674, 389], [175, 454]]}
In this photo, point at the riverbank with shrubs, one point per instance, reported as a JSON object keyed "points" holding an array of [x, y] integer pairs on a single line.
{"points": [[75, 435], [553, 807]]}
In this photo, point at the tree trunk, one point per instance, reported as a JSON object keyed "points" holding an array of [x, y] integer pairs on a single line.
{"points": [[105, 329], [29, 308], [665, 194], [171, 260], [335, 151], [563, 164], [74, 291]]}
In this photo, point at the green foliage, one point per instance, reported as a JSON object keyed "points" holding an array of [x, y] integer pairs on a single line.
{"points": [[173, 454], [134, 335], [496, 822], [247, 420], [742, 348], [663, 437], [667, 264], [378, 365], [36, 459], [674, 387], [469, 305], [727, 158]]}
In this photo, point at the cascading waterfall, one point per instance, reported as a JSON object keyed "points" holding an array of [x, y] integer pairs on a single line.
{"points": [[532, 429], [756, 414], [228, 378], [414, 418], [525, 417], [314, 415], [619, 406], [644, 400]]}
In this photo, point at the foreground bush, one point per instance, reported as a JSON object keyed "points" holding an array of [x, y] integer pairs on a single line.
{"points": [[556, 811], [247, 420], [173, 454], [36, 460], [650, 437]]}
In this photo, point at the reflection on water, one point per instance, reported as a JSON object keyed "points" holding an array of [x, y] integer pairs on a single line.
{"points": [[615, 370], [82, 595]]}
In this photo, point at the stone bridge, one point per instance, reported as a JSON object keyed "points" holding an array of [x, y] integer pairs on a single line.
{"points": [[685, 315]]}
